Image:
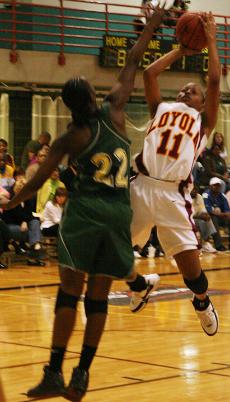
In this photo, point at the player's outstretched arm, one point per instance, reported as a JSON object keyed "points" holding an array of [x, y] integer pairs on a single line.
{"points": [[60, 147], [214, 72], [152, 89], [121, 91]]}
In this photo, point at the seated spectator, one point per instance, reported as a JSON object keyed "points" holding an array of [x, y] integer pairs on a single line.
{"points": [[218, 139], [215, 166], [197, 172], [140, 20], [45, 148], [32, 147], [217, 206], [53, 213], [6, 172], [19, 173], [24, 227], [32, 168], [170, 15], [173, 14], [203, 221], [47, 191], [3, 148]]}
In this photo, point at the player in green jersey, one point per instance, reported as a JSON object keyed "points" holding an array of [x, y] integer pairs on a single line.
{"points": [[95, 230]]}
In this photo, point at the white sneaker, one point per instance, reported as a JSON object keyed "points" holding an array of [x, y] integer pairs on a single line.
{"points": [[208, 319], [207, 248], [140, 299]]}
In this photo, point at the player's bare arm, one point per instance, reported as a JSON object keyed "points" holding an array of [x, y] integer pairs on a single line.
{"points": [[152, 89], [74, 141], [121, 91], [213, 91]]}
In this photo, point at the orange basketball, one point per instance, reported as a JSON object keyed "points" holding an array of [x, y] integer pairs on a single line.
{"points": [[190, 31]]}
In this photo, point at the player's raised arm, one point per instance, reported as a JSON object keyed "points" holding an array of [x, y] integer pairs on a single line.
{"points": [[121, 91], [213, 89], [59, 148], [152, 90]]}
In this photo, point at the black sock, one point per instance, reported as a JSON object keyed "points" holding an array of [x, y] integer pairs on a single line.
{"points": [[138, 285], [200, 305], [56, 358], [87, 355]]}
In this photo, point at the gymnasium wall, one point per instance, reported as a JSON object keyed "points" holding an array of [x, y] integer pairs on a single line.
{"points": [[38, 68]]}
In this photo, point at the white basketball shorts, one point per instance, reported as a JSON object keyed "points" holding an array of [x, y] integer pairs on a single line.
{"points": [[161, 204]]}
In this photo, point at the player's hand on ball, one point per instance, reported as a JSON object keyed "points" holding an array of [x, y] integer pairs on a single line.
{"points": [[209, 25]]}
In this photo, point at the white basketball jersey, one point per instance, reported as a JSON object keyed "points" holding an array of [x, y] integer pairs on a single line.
{"points": [[173, 143]]}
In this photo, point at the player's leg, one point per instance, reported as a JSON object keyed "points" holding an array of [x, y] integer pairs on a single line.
{"points": [[96, 306], [195, 279], [141, 287], [65, 313], [181, 243], [141, 226]]}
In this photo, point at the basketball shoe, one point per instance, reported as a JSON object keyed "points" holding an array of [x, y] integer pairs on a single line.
{"points": [[208, 319], [140, 299], [52, 384], [78, 385]]}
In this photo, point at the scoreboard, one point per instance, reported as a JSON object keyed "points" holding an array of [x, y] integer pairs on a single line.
{"points": [[115, 50]]}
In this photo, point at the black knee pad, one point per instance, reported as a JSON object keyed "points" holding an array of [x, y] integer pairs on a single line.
{"points": [[198, 285], [65, 300], [95, 306]]}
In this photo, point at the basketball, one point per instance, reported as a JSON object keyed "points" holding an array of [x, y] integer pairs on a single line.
{"points": [[190, 31]]}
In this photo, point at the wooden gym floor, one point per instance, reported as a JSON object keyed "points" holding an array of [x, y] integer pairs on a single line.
{"points": [[160, 354]]}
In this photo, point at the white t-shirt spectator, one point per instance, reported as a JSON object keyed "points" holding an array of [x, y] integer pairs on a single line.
{"points": [[52, 215]]}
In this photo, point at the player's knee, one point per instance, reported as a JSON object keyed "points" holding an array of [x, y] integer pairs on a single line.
{"points": [[198, 285], [65, 300], [95, 306]]}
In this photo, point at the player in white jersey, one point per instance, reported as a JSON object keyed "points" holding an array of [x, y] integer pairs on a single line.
{"points": [[160, 194]]}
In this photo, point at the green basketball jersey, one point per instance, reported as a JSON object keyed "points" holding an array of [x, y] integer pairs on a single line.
{"points": [[94, 233], [103, 168]]}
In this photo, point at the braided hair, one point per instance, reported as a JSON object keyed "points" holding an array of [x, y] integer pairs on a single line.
{"points": [[79, 97]]}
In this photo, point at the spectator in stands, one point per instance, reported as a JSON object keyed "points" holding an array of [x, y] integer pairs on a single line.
{"points": [[217, 206], [215, 166], [32, 169], [19, 173], [47, 191], [3, 148], [6, 172], [218, 139], [203, 221], [174, 13], [24, 227], [140, 20], [53, 213], [32, 147], [45, 148], [170, 16]]}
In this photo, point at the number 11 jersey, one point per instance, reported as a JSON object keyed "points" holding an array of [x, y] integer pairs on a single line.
{"points": [[174, 140]]}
